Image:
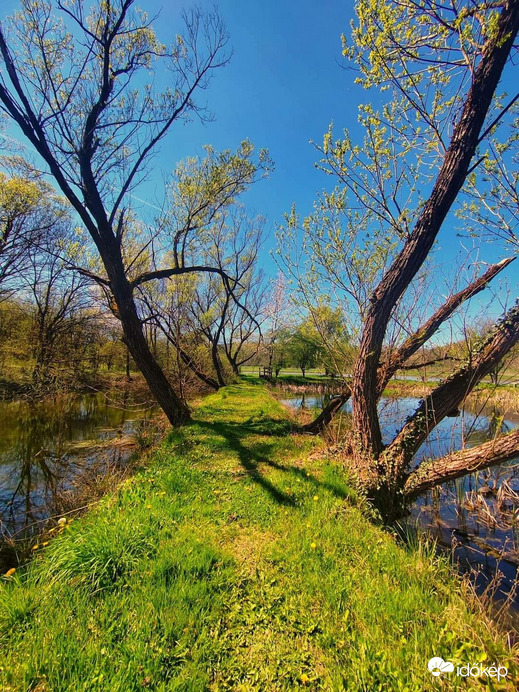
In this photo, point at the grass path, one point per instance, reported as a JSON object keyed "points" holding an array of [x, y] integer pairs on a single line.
{"points": [[237, 560]]}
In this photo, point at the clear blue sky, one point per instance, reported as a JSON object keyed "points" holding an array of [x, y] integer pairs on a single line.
{"points": [[283, 86]]}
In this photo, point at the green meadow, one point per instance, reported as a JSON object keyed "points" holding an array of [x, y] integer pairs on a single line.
{"points": [[238, 558]]}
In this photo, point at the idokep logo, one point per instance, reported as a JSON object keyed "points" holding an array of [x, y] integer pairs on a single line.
{"points": [[438, 666]]}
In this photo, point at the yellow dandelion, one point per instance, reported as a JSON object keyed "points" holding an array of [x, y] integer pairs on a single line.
{"points": [[35, 547], [316, 497], [10, 572], [305, 679], [313, 546], [62, 521], [148, 506], [45, 543]]}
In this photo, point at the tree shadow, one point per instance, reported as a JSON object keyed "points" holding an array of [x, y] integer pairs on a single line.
{"points": [[262, 452], [250, 459]]}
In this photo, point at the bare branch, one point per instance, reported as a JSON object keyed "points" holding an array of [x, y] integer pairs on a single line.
{"points": [[414, 342], [437, 471]]}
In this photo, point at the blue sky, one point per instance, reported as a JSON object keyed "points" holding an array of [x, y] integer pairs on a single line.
{"points": [[283, 86]]}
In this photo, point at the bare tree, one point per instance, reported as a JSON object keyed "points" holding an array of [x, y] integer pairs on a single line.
{"points": [[222, 311], [60, 306], [75, 86], [28, 213]]}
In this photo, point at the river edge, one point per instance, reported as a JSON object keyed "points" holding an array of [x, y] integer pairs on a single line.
{"points": [[62, 453], [238, 545]]}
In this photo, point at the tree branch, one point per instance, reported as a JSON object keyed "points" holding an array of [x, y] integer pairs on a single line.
{"points": [[424, 333], [327, 414], [448, 468], [448, 396], [176, 271]]}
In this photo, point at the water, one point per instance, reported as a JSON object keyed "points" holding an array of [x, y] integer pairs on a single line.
{"points": [[45, 445], [476, 517]]}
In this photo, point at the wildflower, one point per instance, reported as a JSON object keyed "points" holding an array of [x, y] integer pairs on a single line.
{"points": [[316, 497], [305, 679], [148, 506], [313, 546], [62, 521], [35, 547], [10, 572], [45, 543]]}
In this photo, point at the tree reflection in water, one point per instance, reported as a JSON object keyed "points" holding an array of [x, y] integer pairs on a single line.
{"points": [[44, 445]]}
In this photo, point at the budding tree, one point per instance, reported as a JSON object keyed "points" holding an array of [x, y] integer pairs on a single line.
{"points": [[76, 83], [443, 142]]}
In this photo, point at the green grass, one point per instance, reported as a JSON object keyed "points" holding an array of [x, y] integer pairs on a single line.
{"points": [[238, 560]]}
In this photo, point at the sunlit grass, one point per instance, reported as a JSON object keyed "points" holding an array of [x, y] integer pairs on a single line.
{"points": [[238, 560]]}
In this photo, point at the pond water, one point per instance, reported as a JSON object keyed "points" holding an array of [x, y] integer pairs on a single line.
{"points": [[475, 517], [45, 445]]}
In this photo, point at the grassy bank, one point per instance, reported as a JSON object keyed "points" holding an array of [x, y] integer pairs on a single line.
{"points": [[236, 561]]}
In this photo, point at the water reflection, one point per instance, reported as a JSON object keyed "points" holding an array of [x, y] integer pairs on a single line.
{"points": [[477, 516], [44, 444]]}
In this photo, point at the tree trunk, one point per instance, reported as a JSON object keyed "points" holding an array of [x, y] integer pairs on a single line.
{"points": [[128, 372], [452, 175], [175, 409], [217, 363]]}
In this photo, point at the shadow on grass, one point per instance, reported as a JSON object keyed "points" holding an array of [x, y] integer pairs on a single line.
{"points": [[250, 459], [263, 453]]}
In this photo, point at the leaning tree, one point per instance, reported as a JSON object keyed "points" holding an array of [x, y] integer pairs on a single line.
{"points": [[441, 142], [76, 82]]}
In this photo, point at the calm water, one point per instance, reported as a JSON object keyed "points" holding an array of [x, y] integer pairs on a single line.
{"points": [[45, 445], [476, 517]]}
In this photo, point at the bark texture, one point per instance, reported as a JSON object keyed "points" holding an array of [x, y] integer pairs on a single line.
{"points": [[449, 182], [448, 468], [450, 394]]}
